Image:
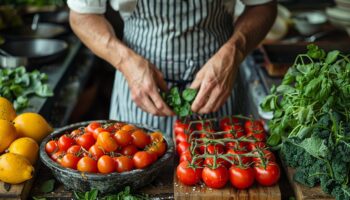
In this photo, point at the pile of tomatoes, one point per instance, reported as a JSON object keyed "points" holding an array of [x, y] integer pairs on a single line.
{"points": [[232, 149], [107, 148]]}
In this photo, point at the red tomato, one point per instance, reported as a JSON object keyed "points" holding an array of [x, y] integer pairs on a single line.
{"points": [[85, 141], [205, 126], [159, 148], [123, 164], [215, 149], [118, 125], [253, 145], [215, 178], [98, 131], [140, 139], [129, 150], [182, 147], [87, 164], [245, 160], [153, 155], [128, 127], [267, 155], [57, 157], [157, 137], [188, 175], [180, 127], [96, 152], [93, 126], [181, 137], [219, 162], [259, 135], [123, 138], [51, 147], [236, 131], [241, 178], [64, 142], [106, 164], [142, 159], [250, 125], [77, 133], [70, 161], [228, 121], [268, 176], [186, 156], [75, 150], [110, 128], [107, 142]]}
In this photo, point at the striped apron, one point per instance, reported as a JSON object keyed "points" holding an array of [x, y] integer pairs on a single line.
{"points": [[178, 37]]}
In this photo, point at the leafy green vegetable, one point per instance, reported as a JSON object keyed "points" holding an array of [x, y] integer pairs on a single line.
{"points": [[180, 102], [17, 85], [311, 122], [122, 195], [47, 186]]}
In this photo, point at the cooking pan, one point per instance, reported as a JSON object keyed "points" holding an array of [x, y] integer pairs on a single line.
{"points": [[31, 52], [43, 30], [56, 17]]}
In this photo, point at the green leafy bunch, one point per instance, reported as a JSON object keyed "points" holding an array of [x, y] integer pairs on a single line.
{"points": [[122, 195], [180, 102], [17, 85]]}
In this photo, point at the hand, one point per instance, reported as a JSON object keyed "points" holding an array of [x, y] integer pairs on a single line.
{"points": [[144, 79], [215, 80]]}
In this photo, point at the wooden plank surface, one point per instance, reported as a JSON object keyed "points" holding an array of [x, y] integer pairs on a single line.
{"points": [[14, 192], [201, 192], [303, 192]]}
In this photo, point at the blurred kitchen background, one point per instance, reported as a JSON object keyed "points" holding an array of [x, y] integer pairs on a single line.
{"points": [[36, 33]]}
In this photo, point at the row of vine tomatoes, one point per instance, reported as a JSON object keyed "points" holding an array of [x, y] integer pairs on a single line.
{"points": [[107, 148], [216, 172]]}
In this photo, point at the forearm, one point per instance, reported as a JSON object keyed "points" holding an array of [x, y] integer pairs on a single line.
{"points": [[251, 27], [97, 34]]}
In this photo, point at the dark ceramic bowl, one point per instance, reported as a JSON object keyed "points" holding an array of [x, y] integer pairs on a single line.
{"points": [[77, 181]]}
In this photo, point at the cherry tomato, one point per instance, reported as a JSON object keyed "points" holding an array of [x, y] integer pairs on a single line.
{"points": [[157, 137], [57, 157], [182, 147], [123, 138], [245, 160], [64, 142], [215, 178], [188, 175], [76, 133], [51, 147], [241, 178], [215, 149], [180, 127], [219, 162], [87, 164], [118, 125], [181, 137], [157, 147], [93, 126], [86, 140], [123, 164], [204, 126], [268, 176], [259, 135], [267, 155], [228, 121], [250, 125], [97, 131], [70, 161], [153, 156], [129, 150], [106, 164], [128, 127], [235, 130], [75, 150], [107, 142], [110, 128], [186, 156], [140, 139], [253, 145], [96, 152], [142, 159]]}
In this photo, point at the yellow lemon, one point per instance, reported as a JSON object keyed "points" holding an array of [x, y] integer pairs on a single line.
{"points": [[7, 134], [32, 125], [7, 111], [15, 169], [26, 147]]}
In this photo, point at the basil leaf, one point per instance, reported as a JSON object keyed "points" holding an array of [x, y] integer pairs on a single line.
{"points": [[189, 94], [185, 110], [332, 56], [47, 186], [274, 139]]}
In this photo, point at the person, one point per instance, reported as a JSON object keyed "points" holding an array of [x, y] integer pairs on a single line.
{"points": [[167, 43]]}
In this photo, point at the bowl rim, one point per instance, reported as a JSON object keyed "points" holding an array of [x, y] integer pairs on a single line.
{"points": [[91, 176]]}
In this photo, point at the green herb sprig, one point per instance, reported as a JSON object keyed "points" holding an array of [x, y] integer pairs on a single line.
{"points": [[180, 102]]}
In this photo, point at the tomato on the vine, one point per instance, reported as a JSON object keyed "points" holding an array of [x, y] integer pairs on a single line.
{"points": [[93, 126], [267, 156], [118, 125], [267, 176], [123, 164], [96, 151], [76, 133], [123, 138], [259, 135], [64, 142], [106, 164], [241, 178], [251, 125], [244, 159], [129, 150], [140, 139], [142, 159], [254, 145], [57, 157], [107, 142], [215, 178], [86, 140], [97, 131], [228, 121], [182, 147], [188, 175], [51, 147], [215, 149], [181, 137], [180, 127], [70, 161], [87, 164], [219, 162], [128, 127]]}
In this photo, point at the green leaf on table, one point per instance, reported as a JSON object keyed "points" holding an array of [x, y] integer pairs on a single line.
{"points": [[332, 56], [189, 94], [44, 91], [274, 139], [47, 186]]}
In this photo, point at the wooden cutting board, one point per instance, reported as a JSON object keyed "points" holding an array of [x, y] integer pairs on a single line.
{"points": [[14, 192], [302, 192], [201, 192]]}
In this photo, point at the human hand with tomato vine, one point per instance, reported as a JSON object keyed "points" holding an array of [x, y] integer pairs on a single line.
{"points": [[215, 80]]}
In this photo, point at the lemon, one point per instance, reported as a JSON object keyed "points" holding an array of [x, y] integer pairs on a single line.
{"points": [[15, 169], [7, 111], [7, 134], [26, 147], [32, 125]]}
